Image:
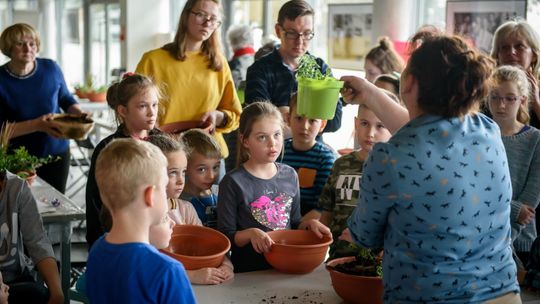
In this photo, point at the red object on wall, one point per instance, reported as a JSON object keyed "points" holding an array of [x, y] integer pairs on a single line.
{"points": [[402, 48]]}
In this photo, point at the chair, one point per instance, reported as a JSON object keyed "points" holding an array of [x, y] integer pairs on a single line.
{"points": [[80, 160]]}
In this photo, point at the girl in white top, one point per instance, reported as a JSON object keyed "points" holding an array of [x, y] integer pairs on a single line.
{"points": [[182, 212]]}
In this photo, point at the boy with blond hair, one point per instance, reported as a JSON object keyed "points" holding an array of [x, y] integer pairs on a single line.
{"points": [[122, 266]]}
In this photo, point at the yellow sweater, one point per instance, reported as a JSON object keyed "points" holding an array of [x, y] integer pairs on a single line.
{"points": [[192, 89]]}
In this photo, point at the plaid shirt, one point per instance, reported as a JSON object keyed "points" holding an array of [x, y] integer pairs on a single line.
{"points": [[269, 78]]}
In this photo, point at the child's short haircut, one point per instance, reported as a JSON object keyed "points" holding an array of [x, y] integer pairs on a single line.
{"points": [[293, 102], [389, 94], [392, 79], [125, 165], [167, 143], [198, 141]]}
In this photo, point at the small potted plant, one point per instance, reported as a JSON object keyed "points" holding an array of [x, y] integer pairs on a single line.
{"points": [[317, 92], [19, 161], [91, 91], [358, 279]]}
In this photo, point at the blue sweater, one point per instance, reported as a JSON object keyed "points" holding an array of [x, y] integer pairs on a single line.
{"points": [[437, 198], [43, 91]]}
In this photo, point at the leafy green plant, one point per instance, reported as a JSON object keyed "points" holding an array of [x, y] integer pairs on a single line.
{"points": [[309, 68], [90, 86]]}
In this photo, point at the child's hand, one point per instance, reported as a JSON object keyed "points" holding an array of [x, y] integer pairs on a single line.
{"points": [[260, 241], [346, 236], [526, 215], [207, 276], [227, 271], [318, 228]]}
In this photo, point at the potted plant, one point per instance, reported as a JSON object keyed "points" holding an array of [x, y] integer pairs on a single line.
{"points": [[358, 279], [317, 92], [19, 161], [90, 90]]}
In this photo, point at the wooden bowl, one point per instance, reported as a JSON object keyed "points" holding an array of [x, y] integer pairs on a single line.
{"points": [[73, 126], [355, 288], [181, 126], [296, 251], [197, 247]]}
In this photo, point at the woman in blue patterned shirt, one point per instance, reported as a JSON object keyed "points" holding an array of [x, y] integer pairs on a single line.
{"points": [[437, 195]]}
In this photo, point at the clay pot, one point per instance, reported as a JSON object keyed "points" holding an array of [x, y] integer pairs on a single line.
{"points": [[73, 126], [353, 288], [181, 126], [97, 96], [296, 251], [30, 176], [197, 246]]}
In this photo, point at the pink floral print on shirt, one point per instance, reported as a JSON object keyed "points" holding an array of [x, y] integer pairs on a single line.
{"points": [[274, 214]]}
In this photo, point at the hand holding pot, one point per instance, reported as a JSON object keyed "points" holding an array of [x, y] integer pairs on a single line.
{"points": [[260, 241]]}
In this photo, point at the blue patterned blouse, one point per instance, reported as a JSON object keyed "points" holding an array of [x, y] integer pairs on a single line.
{"points": [[437, 198]]}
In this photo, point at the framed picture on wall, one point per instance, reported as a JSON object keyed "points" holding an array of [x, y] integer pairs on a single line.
{"points": [[477, 21], [349, 35]]}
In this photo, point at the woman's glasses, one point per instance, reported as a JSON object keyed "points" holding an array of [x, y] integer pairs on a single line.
{"points": [[508, 100], [292, 35], [202, 18]]}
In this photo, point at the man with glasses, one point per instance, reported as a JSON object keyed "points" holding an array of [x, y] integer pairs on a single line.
{"points": [[273, 76]]}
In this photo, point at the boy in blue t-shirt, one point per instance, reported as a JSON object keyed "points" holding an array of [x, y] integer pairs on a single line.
{"points": [[122, 266], [311, 159]]}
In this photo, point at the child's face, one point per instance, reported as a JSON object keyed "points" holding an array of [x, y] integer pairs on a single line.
{"points": [[202, 172], [176, 169], [160, 234], [369, 129], [141, 111], [4, 291], [304, 130], [504, 102], [265, 141], [371, 70]]}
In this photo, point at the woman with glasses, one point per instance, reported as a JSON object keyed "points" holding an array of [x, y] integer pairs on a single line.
{"points": [[508, 105], [194, 73]]}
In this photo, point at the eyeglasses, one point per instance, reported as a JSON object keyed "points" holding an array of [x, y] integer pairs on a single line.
{"points": [[292, 35], [508, 100], [202, 18]]}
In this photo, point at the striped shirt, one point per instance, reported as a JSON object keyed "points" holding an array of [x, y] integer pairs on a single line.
{"points": [[313, 167]]}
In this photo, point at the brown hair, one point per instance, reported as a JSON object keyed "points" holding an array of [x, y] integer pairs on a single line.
{"points": [[211, 48], [13, 34], [167, 143], [392, 79], [119, 93], [250, 115], [294, 9], [522, 29], [385, 57], [517, 76], [452, 77], [198, 141], [136, 164]]}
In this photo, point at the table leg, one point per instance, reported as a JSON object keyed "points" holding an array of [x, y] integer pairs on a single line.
{"points": [[65, 262]]}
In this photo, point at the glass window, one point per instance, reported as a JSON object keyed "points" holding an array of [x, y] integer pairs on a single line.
{"points": [[72, 42]]}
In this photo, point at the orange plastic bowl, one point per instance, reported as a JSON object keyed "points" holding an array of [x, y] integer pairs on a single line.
{"points": [[354, 288], [197, 247], [296, 251]]}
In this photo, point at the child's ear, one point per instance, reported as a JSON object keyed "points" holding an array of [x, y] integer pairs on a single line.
{"points": [[242, 140], [149, 196], [122, 111], [323, 125], [356, 123]]}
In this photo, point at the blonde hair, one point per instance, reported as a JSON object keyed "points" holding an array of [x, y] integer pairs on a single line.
{"points": [[13, 34], [385, 57], [524, 30], [517, 76], [211, 48], [250, 115], [167, 143], [198, 141], [123, 167]]}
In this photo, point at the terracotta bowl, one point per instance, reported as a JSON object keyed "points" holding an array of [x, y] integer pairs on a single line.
{"points": [[296, 251], [181, 126], [197, 247], [74, 126], [353, 288]]}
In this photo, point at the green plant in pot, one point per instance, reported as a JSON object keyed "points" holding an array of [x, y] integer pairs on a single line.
{"points": [[90, 90], [317, 92], [19, 160], [358, 279]]}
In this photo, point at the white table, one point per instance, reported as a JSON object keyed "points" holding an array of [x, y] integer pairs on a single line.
{"points": [[60, 216], [271, 286]]}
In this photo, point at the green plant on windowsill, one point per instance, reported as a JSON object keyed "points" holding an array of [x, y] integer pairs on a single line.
{"points": [[19, 161], [90, 90]]}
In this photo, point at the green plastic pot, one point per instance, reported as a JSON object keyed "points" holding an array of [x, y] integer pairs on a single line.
{"points": [[318, 98]]}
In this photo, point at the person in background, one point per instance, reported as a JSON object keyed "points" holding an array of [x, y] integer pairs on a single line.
{"points": [[266, 48], [134, 100], [259, 186], [32, 90], [22, 231], [122, 265], [272, 77], [181, 211], [389, 82], [204, 161], [241, 42], [508, 106], [199, 84], [312, 160], [382, 59], [437, 196]]}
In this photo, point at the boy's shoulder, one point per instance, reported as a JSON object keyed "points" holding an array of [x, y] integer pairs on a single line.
{"points": [[348, 162]]}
